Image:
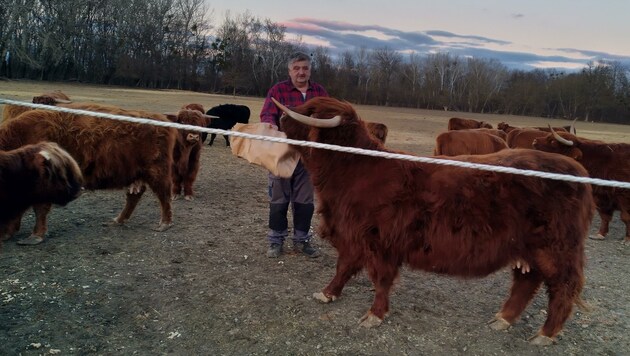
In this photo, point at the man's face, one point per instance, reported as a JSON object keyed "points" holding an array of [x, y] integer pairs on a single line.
{"points": [[300, 73]]}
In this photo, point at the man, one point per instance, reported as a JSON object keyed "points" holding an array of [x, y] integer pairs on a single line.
{"points": [[298, 189]]}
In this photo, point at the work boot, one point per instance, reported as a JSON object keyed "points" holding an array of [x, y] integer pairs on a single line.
{"points": [[305, 248], [274, 251]]}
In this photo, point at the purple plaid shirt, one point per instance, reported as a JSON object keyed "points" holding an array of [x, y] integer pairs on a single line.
{"points": [[286, 93]]}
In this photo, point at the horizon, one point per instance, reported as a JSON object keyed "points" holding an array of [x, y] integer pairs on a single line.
{"points": [[515, 34]]}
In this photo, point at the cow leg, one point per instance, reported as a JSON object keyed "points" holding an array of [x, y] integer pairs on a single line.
{"points": [[212, 137], [161, 189], [227, 140], [605, 216], [347, 266], [177, 186], [524, 287], [564, 279], [132, 199], [11, 227], [41, 225], [625, 217], [382, 276]]}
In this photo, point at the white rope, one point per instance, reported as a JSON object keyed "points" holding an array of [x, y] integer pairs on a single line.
{"points": [[388, 155]]}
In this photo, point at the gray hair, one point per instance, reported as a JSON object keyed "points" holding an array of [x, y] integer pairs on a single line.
{"points": [[298, 57]]}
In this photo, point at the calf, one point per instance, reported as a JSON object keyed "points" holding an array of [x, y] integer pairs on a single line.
{"points": [[187, 151], [41, 173]]}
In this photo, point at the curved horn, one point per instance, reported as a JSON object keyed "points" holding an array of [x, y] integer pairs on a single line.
{"points": [[307, 120], [560, 139], [62, 101], [211, 116], [572, 129]]}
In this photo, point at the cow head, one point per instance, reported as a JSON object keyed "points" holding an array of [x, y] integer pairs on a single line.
{"points": [[190, 117], [325, 120], [60, 178], [559, 142], [194, 106]]}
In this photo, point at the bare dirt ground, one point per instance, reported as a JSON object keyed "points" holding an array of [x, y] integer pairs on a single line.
{"points": [[205, 287]]}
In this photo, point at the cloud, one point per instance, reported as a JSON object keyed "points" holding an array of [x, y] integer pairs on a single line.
{"points": [[344, 36], [517, 16]]}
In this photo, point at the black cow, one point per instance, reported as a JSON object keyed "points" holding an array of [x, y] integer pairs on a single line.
{"points": [[228, 116]]}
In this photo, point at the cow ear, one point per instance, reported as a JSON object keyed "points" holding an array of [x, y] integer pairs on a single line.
{"points": [[576, 154], [171, 116]]}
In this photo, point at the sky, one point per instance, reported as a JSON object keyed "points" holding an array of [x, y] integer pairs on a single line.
{"points": [[521, 34]]}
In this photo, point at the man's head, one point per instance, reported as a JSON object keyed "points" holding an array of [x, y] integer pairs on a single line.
{"points": [[300, 69]]}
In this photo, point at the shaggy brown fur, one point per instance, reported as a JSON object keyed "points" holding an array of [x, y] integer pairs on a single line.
{"points": [[602, 160], [456, 123], [382, 213], [467, 142], [41, 173], [111, 154], [187, 151]]}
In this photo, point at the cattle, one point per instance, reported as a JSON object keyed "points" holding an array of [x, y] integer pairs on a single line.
{"points": [[187, 150], [523, 138], [41, 173], [499, 133], [227, 116], [467, 142], [111, 154], [503, 126], [51, 98], [602, 160], [382, 213], [456, 123], [378, 130]]}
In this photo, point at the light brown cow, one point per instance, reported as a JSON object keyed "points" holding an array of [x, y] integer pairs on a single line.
{"points": [[111, 154], [523, 138], [456, 123], [467, 142], [51, 98]]}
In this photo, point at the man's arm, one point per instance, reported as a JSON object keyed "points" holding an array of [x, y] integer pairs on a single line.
{"points": [[269, 112]]}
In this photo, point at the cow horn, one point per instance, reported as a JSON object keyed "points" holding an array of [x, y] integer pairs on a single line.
{"points": [[572, 128], [62, 101], [560, 139], [307, 120], [211, 116]]}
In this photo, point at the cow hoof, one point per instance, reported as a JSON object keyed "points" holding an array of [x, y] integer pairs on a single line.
{"points": [[189, 198], [163, 227], [175, 197], [498, 323], [323, 298], [541, 340], [31, 240], [370, 320], [597, 237]]}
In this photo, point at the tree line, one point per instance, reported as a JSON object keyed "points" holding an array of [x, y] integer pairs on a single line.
{"points": [[175, 44]]}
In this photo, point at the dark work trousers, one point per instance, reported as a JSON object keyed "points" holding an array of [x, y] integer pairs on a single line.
{"points": [[296, 191]]}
